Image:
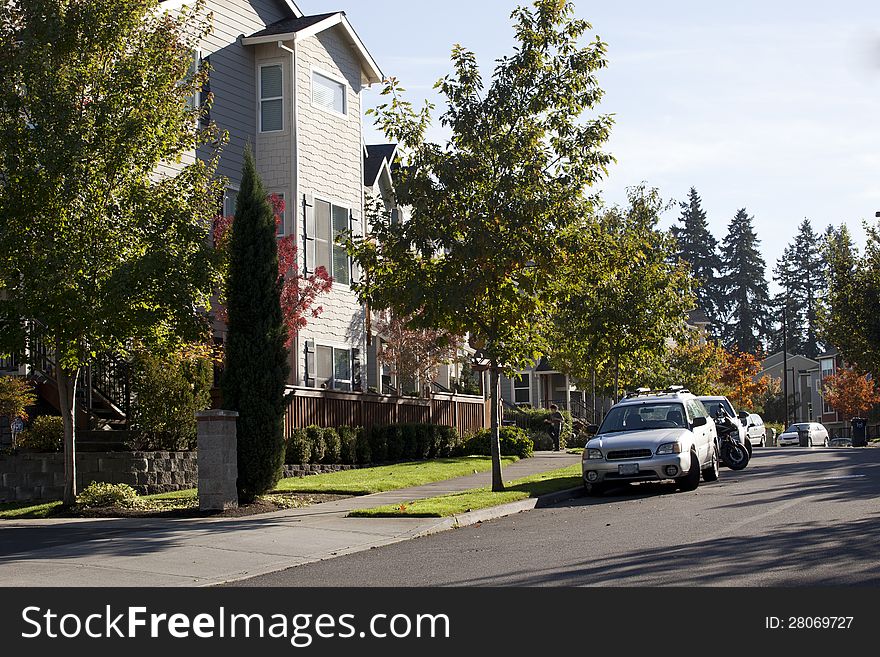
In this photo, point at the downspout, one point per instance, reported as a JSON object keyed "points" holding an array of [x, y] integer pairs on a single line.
{"points": [[294, 163]]}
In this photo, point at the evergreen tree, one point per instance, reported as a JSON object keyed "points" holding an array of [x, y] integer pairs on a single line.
{"points": [[698, 247], [786, 273], [745, 287], [257, 365]]}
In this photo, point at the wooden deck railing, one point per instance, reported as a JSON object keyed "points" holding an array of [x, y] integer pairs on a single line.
{"points": [[327, 408]]}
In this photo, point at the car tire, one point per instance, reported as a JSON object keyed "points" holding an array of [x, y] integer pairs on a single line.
{"points": [[711, 473], [692, 479]]}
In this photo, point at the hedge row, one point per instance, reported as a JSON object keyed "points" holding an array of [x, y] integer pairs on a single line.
{"points": [[397, 442], [350, 445]]}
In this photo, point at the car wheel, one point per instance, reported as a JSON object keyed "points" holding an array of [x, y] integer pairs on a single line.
{"points": [[711, 473], [692, 479]]}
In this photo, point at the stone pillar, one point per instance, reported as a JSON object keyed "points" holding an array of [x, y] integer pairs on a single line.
{"points": [[218, 460]]}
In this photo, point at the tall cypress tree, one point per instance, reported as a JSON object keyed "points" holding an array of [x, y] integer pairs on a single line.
{"points": [[745, 286], [256, 366], [699, 249]]}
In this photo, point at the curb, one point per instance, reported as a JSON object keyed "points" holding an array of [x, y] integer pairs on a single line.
{"points": [[502, 510]]}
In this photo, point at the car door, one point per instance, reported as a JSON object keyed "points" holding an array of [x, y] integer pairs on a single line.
{"points": [[704, 439]]}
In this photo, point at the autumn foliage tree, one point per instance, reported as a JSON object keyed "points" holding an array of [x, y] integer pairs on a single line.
{"points": [[299, 291], [413, 352], [850, 392], [740, 381]]}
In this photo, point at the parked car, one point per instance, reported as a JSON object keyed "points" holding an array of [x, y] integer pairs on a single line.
{"points": [[652, 436], [756, 432], [712, 402], [814, 433]]}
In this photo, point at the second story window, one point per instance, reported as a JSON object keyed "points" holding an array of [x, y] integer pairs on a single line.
{"points": [[271, 98], [330, 221], [328, 94]]}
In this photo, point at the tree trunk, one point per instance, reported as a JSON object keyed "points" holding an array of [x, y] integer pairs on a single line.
{"points": [[66, 381], [497, 477]]}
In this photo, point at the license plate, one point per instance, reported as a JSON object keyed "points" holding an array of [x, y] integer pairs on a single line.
{"points": [[628, 469]]}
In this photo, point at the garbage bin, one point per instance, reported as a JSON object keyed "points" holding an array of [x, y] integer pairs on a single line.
{"points": [[859, 434], [804, 437]]}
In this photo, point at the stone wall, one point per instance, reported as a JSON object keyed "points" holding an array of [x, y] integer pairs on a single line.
{"points": [[306, 470], [36, 476]]}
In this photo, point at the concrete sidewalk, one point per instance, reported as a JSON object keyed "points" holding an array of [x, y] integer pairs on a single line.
{"points": [[208, 551]]}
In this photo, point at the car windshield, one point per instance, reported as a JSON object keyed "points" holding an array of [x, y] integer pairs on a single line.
{"points": [[794, 428], [712, 406], [637, 417]]}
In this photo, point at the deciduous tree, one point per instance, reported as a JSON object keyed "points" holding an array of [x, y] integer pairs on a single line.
{"points": [[481, 248], [106, 214], [850, 392], [740, 380]]}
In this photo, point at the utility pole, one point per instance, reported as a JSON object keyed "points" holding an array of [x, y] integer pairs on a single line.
{"points": [[785, 359]]}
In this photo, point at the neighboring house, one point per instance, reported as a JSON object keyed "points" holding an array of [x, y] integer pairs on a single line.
{"points": [[803, 384]]}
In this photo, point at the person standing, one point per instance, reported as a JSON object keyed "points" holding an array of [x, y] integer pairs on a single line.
{"points": [[555, 421]]}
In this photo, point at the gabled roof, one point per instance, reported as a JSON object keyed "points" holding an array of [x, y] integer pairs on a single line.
{"points": [[375, 157], [697, 316], [302, 27], [172, 4]]}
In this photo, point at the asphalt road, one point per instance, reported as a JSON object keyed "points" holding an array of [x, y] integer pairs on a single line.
{"points": [[793, 517]]}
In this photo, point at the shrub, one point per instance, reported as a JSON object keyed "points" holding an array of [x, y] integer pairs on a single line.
{"points": [[393, 442], [167, 391], [377, 438], [315, 435], [348, 445], [427, 441], [46, 434], [363, 453], [448, 441], [332, 446], [514, 442], [540, 439], [98, 495], [299, 448], [409, 438]]}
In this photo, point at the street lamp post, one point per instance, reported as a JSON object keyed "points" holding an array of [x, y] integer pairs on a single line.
{"points": [[785, 359]]}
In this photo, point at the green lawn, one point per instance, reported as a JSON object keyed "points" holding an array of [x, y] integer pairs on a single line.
{"points": [[478, 498], [364, 481]]}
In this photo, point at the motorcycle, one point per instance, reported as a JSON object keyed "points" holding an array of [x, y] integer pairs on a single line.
{"points": [[733, 453]]}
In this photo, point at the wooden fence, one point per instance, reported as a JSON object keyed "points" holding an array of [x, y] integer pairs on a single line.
{"points": [[327, 408]]}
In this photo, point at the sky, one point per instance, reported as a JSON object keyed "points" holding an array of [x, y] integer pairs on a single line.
{"points": [[770, 106]]}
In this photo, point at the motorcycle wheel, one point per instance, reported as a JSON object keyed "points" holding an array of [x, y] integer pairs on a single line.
{"points": [[734, 456]]}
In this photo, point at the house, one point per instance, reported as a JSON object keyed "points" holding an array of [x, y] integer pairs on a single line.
{"points": [[802, 378]]}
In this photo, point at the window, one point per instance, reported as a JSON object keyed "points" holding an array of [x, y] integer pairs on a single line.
{"points": [[330, 221], [522, 392], [827, 370], [271, 98], [229, 200], [333, 368], [328, 94]]}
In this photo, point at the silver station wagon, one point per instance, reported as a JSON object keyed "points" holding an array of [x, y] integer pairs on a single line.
{"points": [[652, 436]]}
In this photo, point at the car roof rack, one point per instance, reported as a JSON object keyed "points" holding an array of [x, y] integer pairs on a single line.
{"points": [[671, 390]]}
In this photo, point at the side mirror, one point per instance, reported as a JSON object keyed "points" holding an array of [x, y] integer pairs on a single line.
{"points": [[592, 429], [700, 422], [742, 415]]}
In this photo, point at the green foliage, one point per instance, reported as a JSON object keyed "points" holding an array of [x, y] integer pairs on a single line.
{"points": [[623, 294], [299, 448], [332, 446], [101, 495], [46, 434], [167, 392], [257, 364], [94, 99], [514, 442], [376, 437], [348, 437], [745, 286], [317, 446], [363, 451], [448, 441]]}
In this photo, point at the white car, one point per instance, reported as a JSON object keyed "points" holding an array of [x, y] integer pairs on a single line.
{"points": [[756, 432], [712, 402], [813, 432], [652, 436]]}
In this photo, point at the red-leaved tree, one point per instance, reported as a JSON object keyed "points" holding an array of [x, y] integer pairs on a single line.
{"points": [[299, 291], [850, 392]]}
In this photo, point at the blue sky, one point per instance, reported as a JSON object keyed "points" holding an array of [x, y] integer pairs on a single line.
{"points": [[772, 106]]}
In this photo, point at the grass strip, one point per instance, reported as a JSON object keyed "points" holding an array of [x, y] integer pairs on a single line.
{"points": [[30, 510], [478, 498], [364, 481]]}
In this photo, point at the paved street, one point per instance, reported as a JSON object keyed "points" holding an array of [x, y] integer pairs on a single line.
{"points": [[792, 517]]}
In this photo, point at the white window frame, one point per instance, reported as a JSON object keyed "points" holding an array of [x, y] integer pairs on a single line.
{"points": [[260, 98], [519, 379], [330, 239], [226, 190], [333, 78], [334, 348]]}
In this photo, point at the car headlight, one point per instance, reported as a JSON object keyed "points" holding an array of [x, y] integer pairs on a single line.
{"points": [[592, 454], [669, 448]]}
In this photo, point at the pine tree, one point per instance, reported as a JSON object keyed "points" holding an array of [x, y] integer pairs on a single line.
{"points": [[699, 249], [745, 287], [786, 273], [256, 366]]}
